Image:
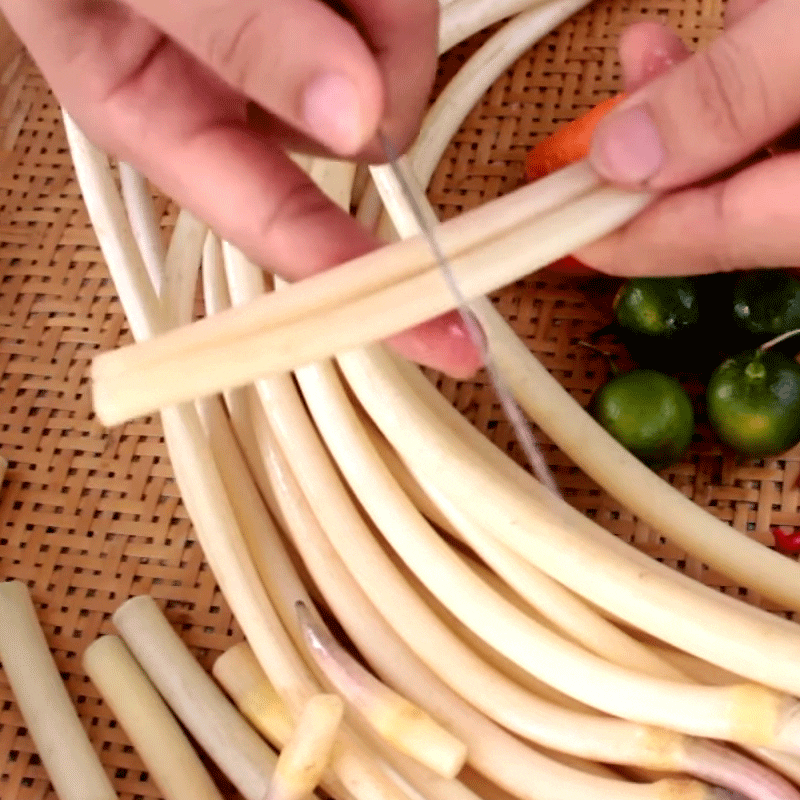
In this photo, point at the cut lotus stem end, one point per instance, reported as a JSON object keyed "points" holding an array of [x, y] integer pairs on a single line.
{"points": [[307, 753]]}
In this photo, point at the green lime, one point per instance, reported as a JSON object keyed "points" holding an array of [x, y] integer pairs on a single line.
{"points": [[766, 302], [657, 318], [660, 307], [753, 402], [647, 412]]}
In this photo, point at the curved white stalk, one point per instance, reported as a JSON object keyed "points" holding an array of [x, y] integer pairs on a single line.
{"points": [[554, 536], [179, 282], [462, 18], [564, 609], [141, 213], [238, 402]]}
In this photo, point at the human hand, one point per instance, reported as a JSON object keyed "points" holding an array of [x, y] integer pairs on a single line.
{"points": [[203, 96], [689, 118]]}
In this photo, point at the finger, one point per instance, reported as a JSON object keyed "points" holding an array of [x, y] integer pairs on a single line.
{"points": [[647, 50], [272, 210], [750, 220], [737, 10], [403, 35], [298, 59], [187, 132], [712, 110], [442, 343]]}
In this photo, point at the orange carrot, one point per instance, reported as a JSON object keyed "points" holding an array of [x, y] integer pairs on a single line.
{"points": [[569, 143]]}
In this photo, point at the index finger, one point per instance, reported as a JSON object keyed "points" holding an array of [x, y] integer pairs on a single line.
{"points": [[403, 35]]}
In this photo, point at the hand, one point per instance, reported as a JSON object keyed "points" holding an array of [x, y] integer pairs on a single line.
{"points": [[204, 95], [688, 119]]}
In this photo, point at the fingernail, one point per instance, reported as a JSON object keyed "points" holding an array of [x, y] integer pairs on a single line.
{"points": [[627, 147], [332, 111]]}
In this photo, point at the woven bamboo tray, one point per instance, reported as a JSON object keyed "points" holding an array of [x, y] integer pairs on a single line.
{"points": [[90, 517]]}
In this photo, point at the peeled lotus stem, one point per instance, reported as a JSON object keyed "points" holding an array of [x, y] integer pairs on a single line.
{"points": [[139, 205], [239, 673], [400, 722], [241, 676], [306, 754], [369, 298], [169, 757], [504, 758], [71, 763], [220, 508], [194, 698], [200, 482], [179, 282]]}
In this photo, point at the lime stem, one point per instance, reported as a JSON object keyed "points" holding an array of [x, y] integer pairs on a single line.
{"points": [[778, 339], [755, 370], [610, 358]]}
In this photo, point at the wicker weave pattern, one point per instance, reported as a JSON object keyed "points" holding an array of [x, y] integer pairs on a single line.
{"points": [[90, 517]]}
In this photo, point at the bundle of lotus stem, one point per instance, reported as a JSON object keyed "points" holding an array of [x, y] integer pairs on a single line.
{"points": [[536, 648]]}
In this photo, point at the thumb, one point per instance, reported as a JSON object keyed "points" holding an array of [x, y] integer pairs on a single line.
{"points": [[711, 111]]}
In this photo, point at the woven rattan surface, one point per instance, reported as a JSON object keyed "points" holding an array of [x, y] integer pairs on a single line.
{"points": [[90, 517]]}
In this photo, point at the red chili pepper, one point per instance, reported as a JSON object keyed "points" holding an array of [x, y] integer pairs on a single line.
{"points": [[788, 541]]}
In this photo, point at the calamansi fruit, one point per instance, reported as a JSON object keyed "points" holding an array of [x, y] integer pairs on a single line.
{"points": [[753, 402], [656, 318], [766, 302], [661, 307], [649, 413]]}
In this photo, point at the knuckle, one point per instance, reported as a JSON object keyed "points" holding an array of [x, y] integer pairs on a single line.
{"points": [[732, 100], [236, 47], [301, 205], [722, 253]]}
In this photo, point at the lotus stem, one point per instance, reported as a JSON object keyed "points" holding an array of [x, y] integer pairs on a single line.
{"points": [[194, 698], [141, 213], [71, 763], [167, 754], [369, 298], [239, 673], [400, 722], [182, 265], [306, 754]]}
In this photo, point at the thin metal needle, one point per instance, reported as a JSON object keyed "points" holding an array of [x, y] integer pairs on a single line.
{"points": [[513, 412]]}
